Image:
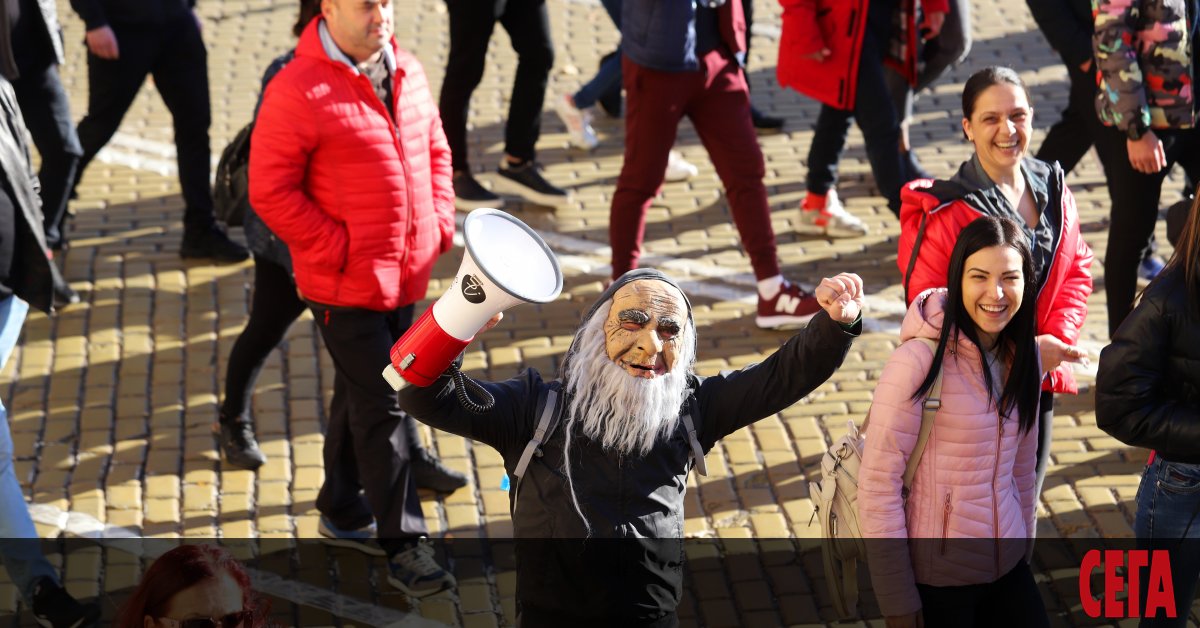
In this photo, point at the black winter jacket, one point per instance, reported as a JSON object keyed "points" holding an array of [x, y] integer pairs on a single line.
{"points": [[1068, 26], [32, 274], [1148, 385], [630, 571], [97, 13]]}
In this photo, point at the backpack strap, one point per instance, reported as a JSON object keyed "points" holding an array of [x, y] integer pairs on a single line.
{"points": [[929, 410], [694, 441], [545, 427]]}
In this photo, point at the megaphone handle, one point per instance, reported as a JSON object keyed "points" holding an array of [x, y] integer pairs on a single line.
{"points": [[461, 383]]}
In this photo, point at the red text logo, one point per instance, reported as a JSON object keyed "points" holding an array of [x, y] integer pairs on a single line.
{"points": [[1160, 595]]}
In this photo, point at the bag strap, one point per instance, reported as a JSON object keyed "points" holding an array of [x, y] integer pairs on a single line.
{"points": [[694, 441], [539, 434], [929, 410]]}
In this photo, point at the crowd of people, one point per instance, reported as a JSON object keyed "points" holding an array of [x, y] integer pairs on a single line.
{"points": [[355, 174]]}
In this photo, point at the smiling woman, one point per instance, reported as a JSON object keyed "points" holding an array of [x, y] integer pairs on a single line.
{"points": [[976, 479], [1001, 180]]}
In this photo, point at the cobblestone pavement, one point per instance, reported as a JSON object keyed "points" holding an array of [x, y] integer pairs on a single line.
{"points": [[112, 401]]}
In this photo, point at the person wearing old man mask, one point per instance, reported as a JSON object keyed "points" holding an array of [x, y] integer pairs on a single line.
{"points": [[598, 458]]}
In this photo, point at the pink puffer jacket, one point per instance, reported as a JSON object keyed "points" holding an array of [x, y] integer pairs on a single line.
{"points": [[975, 479]]}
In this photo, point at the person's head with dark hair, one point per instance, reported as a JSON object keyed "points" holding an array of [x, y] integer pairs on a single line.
{"points": [[308, 10], [997, 118], [194, 586], [992, 302]]}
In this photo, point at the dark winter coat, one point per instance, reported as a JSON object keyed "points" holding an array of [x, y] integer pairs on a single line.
{"points": [[32, 274], [1148, 385], [47, 26]]}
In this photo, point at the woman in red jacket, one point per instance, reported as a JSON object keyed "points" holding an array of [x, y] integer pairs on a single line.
{"points": [[1002, 180]]}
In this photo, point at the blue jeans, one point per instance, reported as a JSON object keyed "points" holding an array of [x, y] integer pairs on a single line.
{"points": [[19, 548], [1168, 501], [609, 74]]}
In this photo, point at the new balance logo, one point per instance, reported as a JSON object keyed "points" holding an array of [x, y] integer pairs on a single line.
{"points": [[787, 303]]}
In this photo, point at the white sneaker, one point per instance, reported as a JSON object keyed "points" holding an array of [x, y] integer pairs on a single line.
{"points": [[578, 123], [832, 221], [679, 169]]}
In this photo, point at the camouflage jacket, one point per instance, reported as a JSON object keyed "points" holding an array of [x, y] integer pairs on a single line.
{"points": [[1144, 63]]}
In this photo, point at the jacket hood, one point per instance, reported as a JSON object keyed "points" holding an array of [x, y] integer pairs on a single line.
{"points": [[924, 320], [605, 297]]}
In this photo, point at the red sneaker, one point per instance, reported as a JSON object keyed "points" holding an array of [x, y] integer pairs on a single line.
{"points": [[792, 308]]}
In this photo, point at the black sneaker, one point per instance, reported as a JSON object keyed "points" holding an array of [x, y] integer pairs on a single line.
{"points": [[212, 243], [53, 607], [429, 472], [470, 195], [526, 180], [764, 123], [239, 446]]}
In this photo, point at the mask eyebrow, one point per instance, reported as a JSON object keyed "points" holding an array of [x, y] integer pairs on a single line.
{"points": [[669, 324], [633, 316]]}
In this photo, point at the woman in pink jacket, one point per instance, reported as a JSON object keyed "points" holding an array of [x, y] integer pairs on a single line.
{"points": [[952, 551]]}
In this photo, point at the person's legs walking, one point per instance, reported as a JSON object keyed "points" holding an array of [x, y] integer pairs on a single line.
{"points": [[181, 75], [358, 341], [274, 307], [47, 114], [1069, 139], [1134, 211], [655, 102], [112, 86], [471, 25]]}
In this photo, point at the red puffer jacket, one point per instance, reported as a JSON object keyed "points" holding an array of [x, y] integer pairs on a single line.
{"points": [[932, 214], [364, 204], [839, 25]]}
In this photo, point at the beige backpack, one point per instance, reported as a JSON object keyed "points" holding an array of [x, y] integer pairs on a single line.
{"points": [[836, 500]]}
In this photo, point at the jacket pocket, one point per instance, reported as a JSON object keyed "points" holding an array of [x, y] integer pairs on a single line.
{"points": [[947, 508]]}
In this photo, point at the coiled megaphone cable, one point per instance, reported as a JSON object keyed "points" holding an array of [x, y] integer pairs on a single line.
{"points": [[461, 383]]}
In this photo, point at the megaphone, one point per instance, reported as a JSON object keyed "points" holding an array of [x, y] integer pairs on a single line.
{"points": [[506, 263]]}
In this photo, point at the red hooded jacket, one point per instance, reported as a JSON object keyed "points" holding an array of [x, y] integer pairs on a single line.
{"points": [[839, 25], [364, 203], [932, 214]]}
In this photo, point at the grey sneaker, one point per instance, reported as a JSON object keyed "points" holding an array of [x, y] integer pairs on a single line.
{"points": [[362, 539], [415, 572]]}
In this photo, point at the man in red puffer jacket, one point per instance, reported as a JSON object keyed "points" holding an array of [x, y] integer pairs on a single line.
{"points": [[350, 167]]}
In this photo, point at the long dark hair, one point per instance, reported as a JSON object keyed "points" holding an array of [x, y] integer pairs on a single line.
{"points": [[1186, 258], [182, 568], [1016, 344]]}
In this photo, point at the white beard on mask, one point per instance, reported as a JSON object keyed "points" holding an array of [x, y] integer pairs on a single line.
{"points": [[623, 413]]}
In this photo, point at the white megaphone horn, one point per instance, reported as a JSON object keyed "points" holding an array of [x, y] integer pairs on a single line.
{"points": [[506, 263]]}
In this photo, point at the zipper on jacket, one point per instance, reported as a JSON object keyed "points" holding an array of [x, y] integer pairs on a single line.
{"points": [[995, 507], [946, 510], [407, 176]]}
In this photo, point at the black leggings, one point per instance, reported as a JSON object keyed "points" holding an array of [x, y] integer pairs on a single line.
{"points": [[273, 308], [1013, 600]]}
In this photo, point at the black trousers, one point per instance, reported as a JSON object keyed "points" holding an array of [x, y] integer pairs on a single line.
{"points": [[274, 306], [1070, 138], [175, 56], [1135, 199], [471, 26], [366, 442], [47, 113], [1013, 600]]}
